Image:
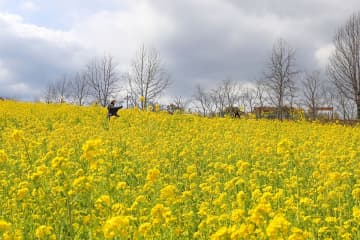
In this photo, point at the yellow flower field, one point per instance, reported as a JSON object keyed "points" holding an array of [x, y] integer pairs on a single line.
{"points": [[66, 172]]}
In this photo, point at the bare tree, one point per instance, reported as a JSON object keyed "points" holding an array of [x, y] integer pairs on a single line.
{"points": [[225, 96], [312, 92], [279, 77], [202, 101], [260, 94], [292, 95], [344, 105], [344, 63], [103, 79], [61, 89], [57, 91], [329, 97], [147, 77], [48, 93], [231, 91], [249, 97], [218, 98], [79, 88], [179, 103]]}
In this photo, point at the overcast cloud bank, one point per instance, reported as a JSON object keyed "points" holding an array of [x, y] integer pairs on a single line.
{"points": [[200, 42]]}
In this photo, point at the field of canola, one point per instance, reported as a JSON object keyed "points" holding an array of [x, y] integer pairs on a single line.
{"points": [[66, 172]]}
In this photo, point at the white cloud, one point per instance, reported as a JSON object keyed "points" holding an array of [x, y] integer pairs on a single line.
{"points": [[31, 56], [16, 26], [5, 75], [21, 89], [121, 33], [29, 6], [323, 53], [11, 88]]}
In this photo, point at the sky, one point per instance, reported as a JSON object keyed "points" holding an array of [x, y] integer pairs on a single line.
{"points": [[200, 42]]}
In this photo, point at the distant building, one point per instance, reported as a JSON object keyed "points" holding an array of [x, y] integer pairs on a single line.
{"points": [[273, 112]]}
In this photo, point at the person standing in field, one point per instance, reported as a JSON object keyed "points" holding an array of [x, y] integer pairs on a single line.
{"points": [[112, 109]]}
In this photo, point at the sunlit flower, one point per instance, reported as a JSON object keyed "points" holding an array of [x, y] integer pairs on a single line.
{"points": [[168, 193], [3, 156], [116, 226], [356, 193], [278, 226], [103, 201], [160, 214], [153, 175], [17, 135], [222, 233], [22, 192], [145, 229], [66, 171], [4, 226], [43, 231], [356, 213], [92, 149]]}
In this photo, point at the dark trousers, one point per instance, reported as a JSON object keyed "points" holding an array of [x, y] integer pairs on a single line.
{"points": [[113, 111]]}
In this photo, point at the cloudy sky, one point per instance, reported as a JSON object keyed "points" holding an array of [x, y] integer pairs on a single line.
{"points": [[200, 41]]}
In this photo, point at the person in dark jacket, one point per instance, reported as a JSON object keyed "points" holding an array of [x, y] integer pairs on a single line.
{"points": [[112, 109]]}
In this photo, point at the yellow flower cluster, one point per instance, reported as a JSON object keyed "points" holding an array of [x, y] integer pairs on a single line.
{"points": [[67, 172]]}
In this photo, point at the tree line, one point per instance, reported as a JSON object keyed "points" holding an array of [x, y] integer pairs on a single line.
{"points": [[281, 85], [101, 81]]}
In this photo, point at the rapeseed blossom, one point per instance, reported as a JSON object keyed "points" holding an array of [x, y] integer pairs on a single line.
{"points": [[278, 227], [68, 172], [4, 226], [44, 232], [3, 156], [153, 175], [116, 226]]}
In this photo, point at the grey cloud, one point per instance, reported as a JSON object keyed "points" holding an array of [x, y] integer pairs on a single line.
{"points": [[209, 40], [203, 49], [32, 62]]}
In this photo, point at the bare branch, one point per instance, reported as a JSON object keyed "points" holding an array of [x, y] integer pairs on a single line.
{"points": [[344, 63], [147, 77], [279, 77], [103, 79]]}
